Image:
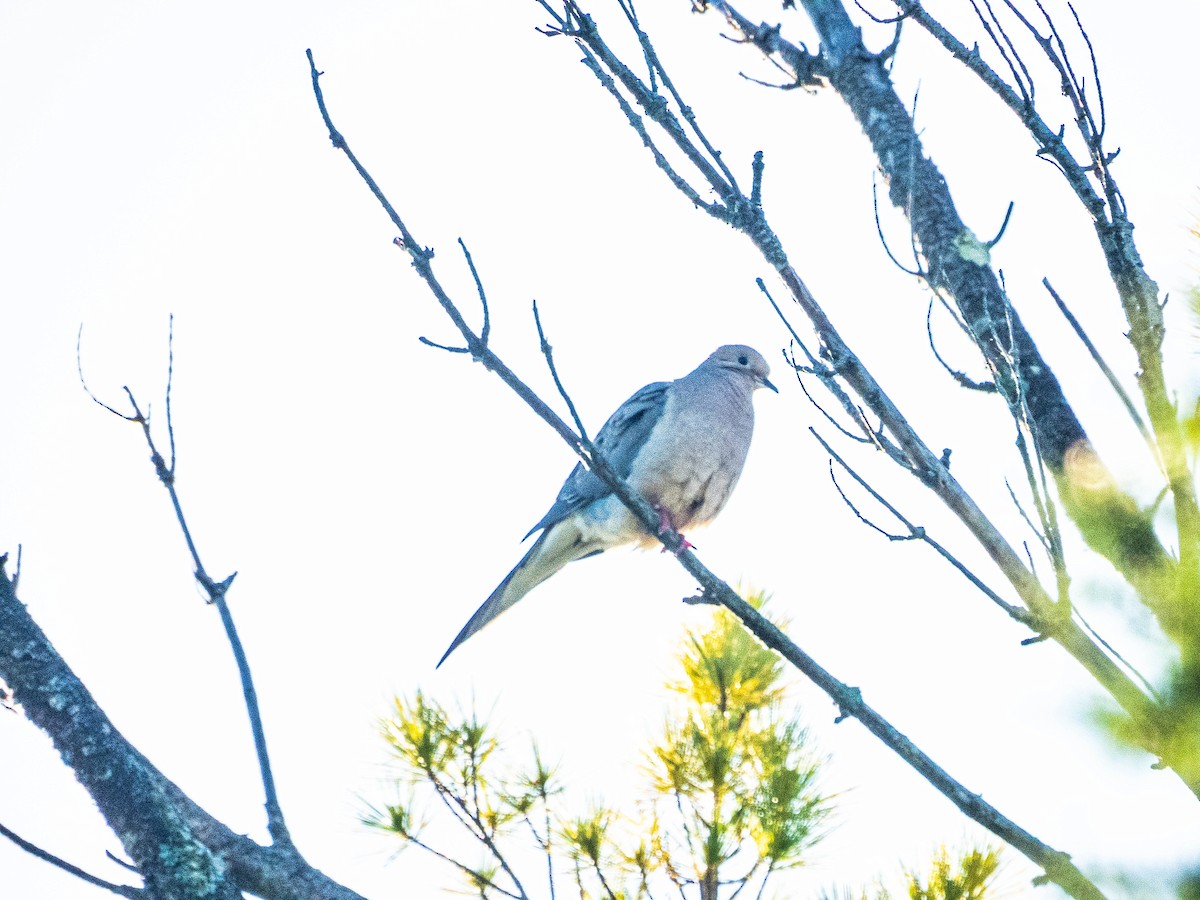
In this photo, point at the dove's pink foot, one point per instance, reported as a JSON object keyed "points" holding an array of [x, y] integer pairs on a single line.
{"points": [[665, 524]]}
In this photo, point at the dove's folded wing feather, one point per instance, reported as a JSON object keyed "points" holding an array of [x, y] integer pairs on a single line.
{"points": [[620, 439]]}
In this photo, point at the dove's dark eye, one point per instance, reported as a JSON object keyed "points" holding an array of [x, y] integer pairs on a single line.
{"points": [[743, 360]]}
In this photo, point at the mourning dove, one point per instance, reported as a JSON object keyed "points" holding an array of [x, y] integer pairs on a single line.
{"points": [[680, 444]]}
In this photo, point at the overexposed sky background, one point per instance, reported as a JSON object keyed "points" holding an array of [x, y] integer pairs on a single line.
{"points": [[371, 492]]}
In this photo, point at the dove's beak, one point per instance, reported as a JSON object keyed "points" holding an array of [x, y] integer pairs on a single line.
{"points": [[766, 382]]}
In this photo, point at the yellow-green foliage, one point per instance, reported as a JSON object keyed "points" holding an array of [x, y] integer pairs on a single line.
{"points": [[966, 878], [732, 788], [733, 765]]}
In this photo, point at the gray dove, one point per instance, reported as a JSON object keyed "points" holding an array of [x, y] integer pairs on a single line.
{"points": [[680, 444]]}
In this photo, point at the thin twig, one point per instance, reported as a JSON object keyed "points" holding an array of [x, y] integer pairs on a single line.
{"points": [[1106, 370], [916, 273], [122, 890], [1126, 663], [486, 330], [475, 825], [84, 384], [421, 260], [428, 343], [1037, 532], [880, 20], [216, 592], [1102, 123], [170, 383], [857, 438], [1004, 51], [911, 536], [543, 783], [548, 352], [770, 866], [120, 862], [1003, 226], [1029, 90], [919, 533], [1051, 541], [985, 387], [471, 873], [828, 378], [635, 121], [685, 111], [604, 61], [603, 881], [631, 17], [1042, 497]]}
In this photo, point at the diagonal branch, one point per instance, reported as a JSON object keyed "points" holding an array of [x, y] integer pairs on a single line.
{"points": [[476, 877], [166, 834], [1137, 292], [162, 844], [121, 890], [1109, 519], [958, 266], [1105, 369], [917, 532]]}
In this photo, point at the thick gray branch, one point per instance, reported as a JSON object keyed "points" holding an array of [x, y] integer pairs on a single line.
{"points": [[958, 266], [182, 852]]}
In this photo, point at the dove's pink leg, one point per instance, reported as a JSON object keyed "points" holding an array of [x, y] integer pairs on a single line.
{"points": [[665, 524]]}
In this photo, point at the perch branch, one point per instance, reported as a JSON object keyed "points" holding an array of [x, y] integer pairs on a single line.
{"points": [[1055, 864]]}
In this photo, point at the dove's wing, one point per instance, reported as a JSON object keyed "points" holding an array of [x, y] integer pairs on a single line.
{"points": [[620, 439]]}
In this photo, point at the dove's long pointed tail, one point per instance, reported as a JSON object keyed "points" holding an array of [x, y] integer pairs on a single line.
{"points": [[557, 546]]}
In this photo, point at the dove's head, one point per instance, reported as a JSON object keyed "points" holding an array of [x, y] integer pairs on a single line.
{"points": [[743, 359]]}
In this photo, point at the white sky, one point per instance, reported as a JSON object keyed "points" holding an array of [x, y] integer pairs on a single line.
{"points": [[370, 491]]}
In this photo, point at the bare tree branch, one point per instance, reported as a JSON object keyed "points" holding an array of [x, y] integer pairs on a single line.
{"points": [[216, 591], [121, 890], [171, 840], [1110, 520], [958, 268], [171, 857], [1055, 864], [918, 533], [1105, 369], [1139, 298]]}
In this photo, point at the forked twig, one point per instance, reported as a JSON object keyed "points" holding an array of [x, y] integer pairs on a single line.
{"points": [[548, 352], [984, 387], [916, 532], [121, 890], [215, 590]]}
